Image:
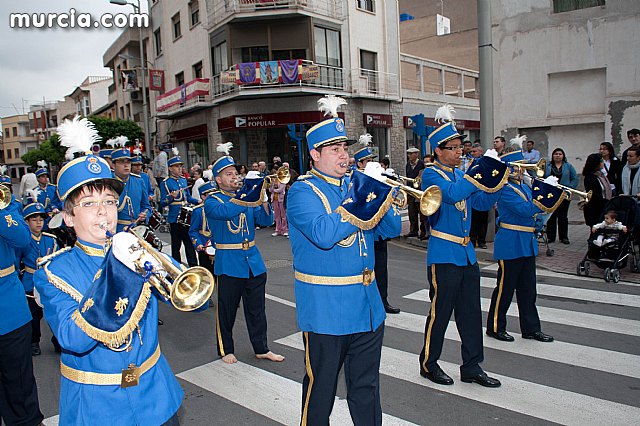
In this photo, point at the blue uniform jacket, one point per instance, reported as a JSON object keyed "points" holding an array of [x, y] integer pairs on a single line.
{"points": [[449, 219], [199, 228], [233, 224], [153, 401], [14, 233], [38, 247], [147, 182], [516, 208], [325, 247], [171, 184], [48, 197], [133, 201]]}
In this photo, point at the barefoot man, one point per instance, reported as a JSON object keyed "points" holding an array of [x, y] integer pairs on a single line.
{"points": [[233, 215]]}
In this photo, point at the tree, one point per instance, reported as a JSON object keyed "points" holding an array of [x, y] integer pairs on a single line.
{"points": [[50, 151], [108, 129]]}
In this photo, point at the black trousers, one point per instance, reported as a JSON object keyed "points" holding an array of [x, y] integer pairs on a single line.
{"points": [[36, 316], [324, 357], [479, 223], [517, 275], [179, 236], [252, 292], [205, 262], [561, 217], [18, 393], [454, 289], [380, 268], [417, 221]]}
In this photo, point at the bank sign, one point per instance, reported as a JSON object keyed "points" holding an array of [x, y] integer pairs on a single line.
{"points": [[270, 120], [377, 120]]}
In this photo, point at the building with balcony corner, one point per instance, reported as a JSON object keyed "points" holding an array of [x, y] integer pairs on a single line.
{"points": [[17, 140]]}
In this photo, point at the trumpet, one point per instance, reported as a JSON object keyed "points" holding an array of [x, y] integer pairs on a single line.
{"points": [[539, 167], [585, 197], [416, 183], [429, 199], [187, 289], [282, 175], [5, 197]]}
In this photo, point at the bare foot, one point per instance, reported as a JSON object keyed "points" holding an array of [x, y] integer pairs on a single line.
{"points": [[230, 359], [270, 356]]}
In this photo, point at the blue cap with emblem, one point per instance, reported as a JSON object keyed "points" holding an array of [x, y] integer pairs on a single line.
{"points": [[33, 209], [42, 168], [121, 152], [4, 179], [176, 157], [329, 131], [226, 160], [137, 157], [79, 135], [447, 131], [364, 152]]}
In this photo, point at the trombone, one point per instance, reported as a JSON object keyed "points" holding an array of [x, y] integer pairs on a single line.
{"points": [[429, 199], [282, 175], [539, 167]]}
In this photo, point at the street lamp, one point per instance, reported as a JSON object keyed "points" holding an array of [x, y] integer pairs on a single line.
{"points": [[143, 64]]}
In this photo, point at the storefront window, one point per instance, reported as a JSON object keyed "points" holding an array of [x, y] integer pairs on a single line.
{"points": [[199, 152], [380, 141]]}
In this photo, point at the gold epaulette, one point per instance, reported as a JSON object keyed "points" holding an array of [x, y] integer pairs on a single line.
{"points": [[429, 165], [305, 176], [133, 174], [197, 206], [49, 235], [46, 259]]}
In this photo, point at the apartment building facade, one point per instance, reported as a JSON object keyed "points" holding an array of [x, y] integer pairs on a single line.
{"points": [[17, 140]]}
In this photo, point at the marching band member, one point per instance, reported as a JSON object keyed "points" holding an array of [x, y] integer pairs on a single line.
{"points": [[232, 216], [134, 205], [364, 154], [19, 395], [106, 152], [174, 193], [40, 244], [515, 249], [136, 169], [453, 272], [199, 229], [102, 312], [47, 195], [339, 309]]}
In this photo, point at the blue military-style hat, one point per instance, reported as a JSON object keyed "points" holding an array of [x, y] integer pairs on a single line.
{"points": [[121, 152], [176, 157], [79, 135], [137, 156], [513, 157], [366, 202], [4, 179], [364, 152], [33, 209], [42, 168], [226, 160], [331, 130], [207, 187], [447, 131], [105, 153], [545, 196]]}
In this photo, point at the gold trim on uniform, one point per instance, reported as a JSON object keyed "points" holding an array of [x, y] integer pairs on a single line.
{"points": [[7, 271], [432, 317], [220, 345], [26, 269], [91, 251], [332, 181], [453, 238], [307, 365], [500, 287], [62, 285], [517, 227], [114, 379], [323, 198], [326, 280], [238, 246]]}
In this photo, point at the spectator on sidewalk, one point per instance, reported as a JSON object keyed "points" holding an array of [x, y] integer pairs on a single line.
{"points": [[567, 176], [414, 170], [531, 155], [28, 182], [160, 165], [479, 219], [630, 176], [611, 167], [499, 144], [600, 187], [634, 139]]}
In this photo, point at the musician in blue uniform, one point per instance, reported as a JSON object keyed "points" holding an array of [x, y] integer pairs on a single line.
{"points": [[47, 196], [19, 395], [233, 214], [41, 244], [174, 193], [338, 307], [199, 229], [136, 169], [134, 205], [453, 272], [515, 249], [108, 377]]}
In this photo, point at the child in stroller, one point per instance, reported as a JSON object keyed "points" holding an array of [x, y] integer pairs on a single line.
{"points": [[607, 231]]}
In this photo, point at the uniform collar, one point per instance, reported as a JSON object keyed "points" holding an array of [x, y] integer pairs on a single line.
{"points": [[116, 177], [90, 249], [230, 194], [443, 167], [36, 238], [330, 180]]}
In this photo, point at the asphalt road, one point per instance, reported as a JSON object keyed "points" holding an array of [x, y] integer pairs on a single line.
{"points": [[589, 375]]}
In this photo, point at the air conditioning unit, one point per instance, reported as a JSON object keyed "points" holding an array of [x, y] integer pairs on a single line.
{"points": [[134, 96]]}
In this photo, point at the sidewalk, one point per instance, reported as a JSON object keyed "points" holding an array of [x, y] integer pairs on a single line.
{"points": [[565, 258]]}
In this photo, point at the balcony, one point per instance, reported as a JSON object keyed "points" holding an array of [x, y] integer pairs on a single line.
{"points": [[189, 97], [222, 11]]}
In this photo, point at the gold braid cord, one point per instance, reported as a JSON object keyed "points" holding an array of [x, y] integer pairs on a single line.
{"points": [[62, 285], [484, 188], [545, 208], [115, 339], [366, 225]]}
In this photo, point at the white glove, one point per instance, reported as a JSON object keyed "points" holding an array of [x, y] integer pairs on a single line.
{"points": [[551, 180], [253, 175], [265, 197], [492, 153], [389, 172], [527, 179], [374, 169]]}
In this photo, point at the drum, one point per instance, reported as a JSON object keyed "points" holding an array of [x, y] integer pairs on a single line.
{"points": [[184, 217], [147, 234], [156, 220]]}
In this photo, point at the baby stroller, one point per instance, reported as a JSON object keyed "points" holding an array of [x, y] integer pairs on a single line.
{"points": [[612, 257], [541, 231]]}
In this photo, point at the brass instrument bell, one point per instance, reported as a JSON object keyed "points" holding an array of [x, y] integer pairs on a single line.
{"points": [[282, 175], [430, 199], [5, 196], [539, 167]]}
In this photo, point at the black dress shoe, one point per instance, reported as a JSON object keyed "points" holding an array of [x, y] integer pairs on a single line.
{"points": [[500, 335], [391, 310], [35, 349], [437, 376], [160, 322], [539, 336], [483, 380], [565, 241], [423, 237], [482, 246], [411, 234]]}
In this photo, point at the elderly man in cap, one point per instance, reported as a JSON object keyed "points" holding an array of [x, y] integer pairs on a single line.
{"points": [[416, 219], [339, 308]]}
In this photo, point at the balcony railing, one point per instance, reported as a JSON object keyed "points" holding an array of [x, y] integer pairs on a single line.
{"points": [[431, 77], [192, 95], [222, 10]]}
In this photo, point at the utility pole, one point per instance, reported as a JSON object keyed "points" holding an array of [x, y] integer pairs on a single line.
{"points": [[485, 46]]}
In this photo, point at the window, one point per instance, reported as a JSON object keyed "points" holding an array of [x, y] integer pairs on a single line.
{"points": [[255, 54], [16, 152], [368, 61], [197, 70], [194, 12], [179, 79], [157, 39], [367, 5], [279, 55], [177, 31], [328, 52], [6, 132], [15, 132], [568, 5], [220, 61], [8, 154]]}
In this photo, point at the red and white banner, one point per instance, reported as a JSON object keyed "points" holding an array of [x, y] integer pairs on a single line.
{"points": [[156, 80], [183, 94]]}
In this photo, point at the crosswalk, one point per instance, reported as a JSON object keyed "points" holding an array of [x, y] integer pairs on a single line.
{"points": [[276, 396]]}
